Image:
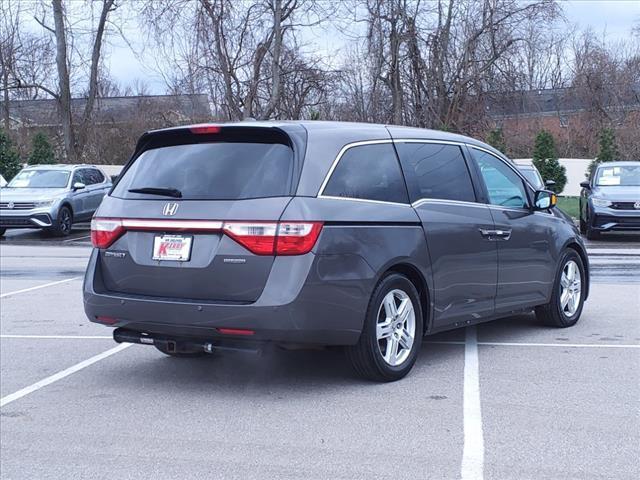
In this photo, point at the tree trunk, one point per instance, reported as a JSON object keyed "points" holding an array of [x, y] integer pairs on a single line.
{"points": [[93, 76], [64, 98], [275, 60], [5, 95]]}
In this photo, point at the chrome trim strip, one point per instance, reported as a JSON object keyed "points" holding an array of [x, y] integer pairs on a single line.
{"points": [[134, 224], [511, 209], [39, 223], [339, 156], [418, 140], [423, 201], [366, 200]]}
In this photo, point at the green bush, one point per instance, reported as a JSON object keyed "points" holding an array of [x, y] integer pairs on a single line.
{"points": [[607, 151], [496, 139], [546, 161], [41, 150], [9, 158]]}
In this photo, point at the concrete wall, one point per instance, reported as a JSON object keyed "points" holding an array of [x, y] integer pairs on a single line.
{"points": [[576, 171], [111, 169]]}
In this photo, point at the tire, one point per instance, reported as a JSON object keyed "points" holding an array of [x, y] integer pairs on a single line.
{"points": [[583, 226], [63, 223], [555, 314], [367, 355], [2, 232], [181, 354], [592, 234]]}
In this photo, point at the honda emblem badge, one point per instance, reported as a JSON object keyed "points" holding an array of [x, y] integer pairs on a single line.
{"points": [[170, 209]]}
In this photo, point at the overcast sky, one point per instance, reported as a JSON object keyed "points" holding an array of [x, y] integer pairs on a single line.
{"points": [[613, 19]]}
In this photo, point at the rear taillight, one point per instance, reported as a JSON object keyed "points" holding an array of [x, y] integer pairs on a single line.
{"points": [[260, 238], [297, 238], [105, 231], [257, 237], [271, 238]]}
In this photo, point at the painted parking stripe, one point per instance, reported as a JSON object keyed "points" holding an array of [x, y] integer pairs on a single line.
{"points": [[76, 239], [473, 450], [61, 337], [526, 344], [60, 375], [25, 290]]}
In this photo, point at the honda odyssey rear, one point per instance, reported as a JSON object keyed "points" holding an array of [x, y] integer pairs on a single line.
{"points": [[236, 236]]}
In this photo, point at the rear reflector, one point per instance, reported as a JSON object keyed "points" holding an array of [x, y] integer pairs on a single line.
{"points": [[205, 129], [260, 238], [235, 331], [106, 320]]}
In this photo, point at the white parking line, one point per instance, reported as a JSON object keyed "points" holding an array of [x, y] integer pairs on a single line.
{"points": [[77, 238], [525, 344], [61, 337], [60, 375], [24, 290], [473, 451]]}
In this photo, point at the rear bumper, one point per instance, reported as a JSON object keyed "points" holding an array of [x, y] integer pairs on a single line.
{"points": [[304, 302]]}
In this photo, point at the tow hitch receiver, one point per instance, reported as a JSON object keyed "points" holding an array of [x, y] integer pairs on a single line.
{"points": [[182, 345]]}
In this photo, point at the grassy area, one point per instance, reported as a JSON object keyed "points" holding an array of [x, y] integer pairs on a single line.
{"points": [[570, 205]]}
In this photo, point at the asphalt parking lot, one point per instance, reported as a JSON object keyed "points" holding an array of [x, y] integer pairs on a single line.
{"points": [[506, 400]]}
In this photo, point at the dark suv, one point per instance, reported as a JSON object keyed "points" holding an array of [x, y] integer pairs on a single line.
{"points": [[610, 199], [318, 233]]}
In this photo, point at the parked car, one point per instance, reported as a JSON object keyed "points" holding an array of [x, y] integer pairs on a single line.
{"points": [[52, 197], [531, 173], [322, 233], [610, 199]]}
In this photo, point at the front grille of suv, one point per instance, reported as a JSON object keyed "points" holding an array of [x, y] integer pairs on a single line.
{"points": [[17, 206], [623, 206]]}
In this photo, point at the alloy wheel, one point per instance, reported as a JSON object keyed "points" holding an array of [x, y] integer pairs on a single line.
{"points": [[570, 288], [65, 221], [396, 327]]}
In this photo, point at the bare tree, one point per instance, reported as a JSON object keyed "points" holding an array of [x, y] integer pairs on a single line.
{"points": [[74, 136], [25, 59]]}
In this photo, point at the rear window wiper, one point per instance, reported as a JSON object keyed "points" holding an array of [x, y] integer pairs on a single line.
{"points": [[169, 192]]}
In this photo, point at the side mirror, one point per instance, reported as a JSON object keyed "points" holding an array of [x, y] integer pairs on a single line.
{"points": [[79, 186], [585, 184], [549, 183], [544, 200]]}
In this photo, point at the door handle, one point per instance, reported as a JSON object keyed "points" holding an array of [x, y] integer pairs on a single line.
{"points": [[503, 234], [495, 234]]}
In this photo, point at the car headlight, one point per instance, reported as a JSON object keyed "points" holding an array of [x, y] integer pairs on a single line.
{"points": [[42, 203], [600, 202]]}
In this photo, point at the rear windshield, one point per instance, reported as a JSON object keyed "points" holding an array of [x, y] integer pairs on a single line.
{"points": [[211, 171]]}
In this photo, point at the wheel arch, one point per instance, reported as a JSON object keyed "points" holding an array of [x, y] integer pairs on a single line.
{"points": [[67, 203], [579, 249]]}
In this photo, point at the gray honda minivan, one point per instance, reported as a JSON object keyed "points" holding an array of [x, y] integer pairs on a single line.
{"points": [[236, 236]]}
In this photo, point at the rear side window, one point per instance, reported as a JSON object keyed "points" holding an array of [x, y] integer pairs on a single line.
{"points": [[91, 176], [369, 172], [436, 171], [212, 171]]}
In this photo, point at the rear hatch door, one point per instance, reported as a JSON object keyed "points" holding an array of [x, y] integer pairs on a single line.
{"points": [[193, 209]]}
